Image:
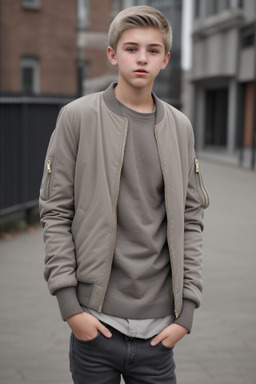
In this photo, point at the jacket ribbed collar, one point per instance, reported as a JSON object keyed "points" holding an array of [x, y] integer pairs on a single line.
{"points": [[113, 104]]}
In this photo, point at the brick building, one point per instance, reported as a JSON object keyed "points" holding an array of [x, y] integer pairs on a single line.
{"points": [[52, 51], [94, 18], [61, 49], [38, 53]]}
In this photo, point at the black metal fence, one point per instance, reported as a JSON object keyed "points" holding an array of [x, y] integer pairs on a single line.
{"points": [[26, 124]]}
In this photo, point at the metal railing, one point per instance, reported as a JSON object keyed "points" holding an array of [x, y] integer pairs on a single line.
{"points": [[26, 124]]}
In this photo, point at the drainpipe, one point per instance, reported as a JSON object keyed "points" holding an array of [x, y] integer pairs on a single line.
{"points": [[1, 40], [254, 122]]}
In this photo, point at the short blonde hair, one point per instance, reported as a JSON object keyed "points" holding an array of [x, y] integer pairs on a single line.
{"points": [[140, 16]]}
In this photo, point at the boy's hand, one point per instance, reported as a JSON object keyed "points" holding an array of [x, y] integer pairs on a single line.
{"points": [[86, 327], [170, 335]]}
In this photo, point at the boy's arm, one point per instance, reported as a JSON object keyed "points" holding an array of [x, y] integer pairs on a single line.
{"points": [[68, 302], [197, 200], [56, 204], [186, 316]]}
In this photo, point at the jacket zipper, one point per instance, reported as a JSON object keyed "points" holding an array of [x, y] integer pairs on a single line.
{"points": [[166, 205], [49, 172], [115, 230], [49, 166], [201, 187]]}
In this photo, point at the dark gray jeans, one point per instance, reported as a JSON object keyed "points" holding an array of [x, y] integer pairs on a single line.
{"points": [[103, 361]]}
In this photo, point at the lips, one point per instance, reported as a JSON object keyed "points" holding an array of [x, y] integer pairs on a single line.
{"points": [[140, 70]]}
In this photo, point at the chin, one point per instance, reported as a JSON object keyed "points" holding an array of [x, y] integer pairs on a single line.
{"points": [[141, 83]]}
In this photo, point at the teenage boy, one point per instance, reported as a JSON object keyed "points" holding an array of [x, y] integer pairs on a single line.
{"points": [[121, 205]]}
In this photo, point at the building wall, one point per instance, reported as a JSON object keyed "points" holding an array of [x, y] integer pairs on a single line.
{"points": [[97, 72], [248, 115], [223, 75], [220, 54], [69, 40], [168, 82], [48, 34]]}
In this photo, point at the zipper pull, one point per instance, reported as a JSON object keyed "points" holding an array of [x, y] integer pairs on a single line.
{"points": [[176, 314], [196, 166], [49, 166]]}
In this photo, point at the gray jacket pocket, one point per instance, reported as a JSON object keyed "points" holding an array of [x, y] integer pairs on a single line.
{"points": [[203, 194], [45, 190]]}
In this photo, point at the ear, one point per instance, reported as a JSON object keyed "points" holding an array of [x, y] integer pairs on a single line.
{"points": [[112, 56], [166, 60]]}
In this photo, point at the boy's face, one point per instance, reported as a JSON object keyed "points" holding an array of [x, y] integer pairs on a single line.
{"points": [[139, 55]]}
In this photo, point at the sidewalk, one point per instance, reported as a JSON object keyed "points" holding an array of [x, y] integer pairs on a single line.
{"points": [[222, 346]]}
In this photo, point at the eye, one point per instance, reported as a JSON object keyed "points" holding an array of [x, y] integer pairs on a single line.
{"points": [[153, 51], [130, 49]]}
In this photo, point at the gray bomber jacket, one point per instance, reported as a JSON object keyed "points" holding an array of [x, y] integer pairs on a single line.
{"points": [[79, 194]]}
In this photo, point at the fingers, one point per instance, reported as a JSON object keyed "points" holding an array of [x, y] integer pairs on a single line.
{"points": [[105, 331], [86, 326], [157, 339], [171, 334], [101, 328]]}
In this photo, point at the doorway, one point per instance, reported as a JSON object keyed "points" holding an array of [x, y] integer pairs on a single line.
{"points": [[216, 117]]}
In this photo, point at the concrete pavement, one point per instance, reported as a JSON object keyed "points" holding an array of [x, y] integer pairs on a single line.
{"points": [[222, 346]]}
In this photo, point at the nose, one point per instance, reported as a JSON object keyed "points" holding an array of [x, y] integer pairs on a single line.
{"points": [[142, 57]]}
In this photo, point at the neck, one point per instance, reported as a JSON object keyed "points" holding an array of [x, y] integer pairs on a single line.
{"points": [[139, 100]]}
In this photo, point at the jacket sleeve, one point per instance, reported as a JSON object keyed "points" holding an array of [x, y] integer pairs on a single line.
{"points": [[197, 200], [56, 205]]}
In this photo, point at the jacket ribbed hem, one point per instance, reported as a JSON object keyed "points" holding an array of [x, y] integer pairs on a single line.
{"points": [[69, 306], [187, 313], [68, 302]]}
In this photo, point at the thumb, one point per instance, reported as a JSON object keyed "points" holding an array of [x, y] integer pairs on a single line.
{"points": [[104, 330]]}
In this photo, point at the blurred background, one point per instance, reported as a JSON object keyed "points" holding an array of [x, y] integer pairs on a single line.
{"points": [[53, 51]]}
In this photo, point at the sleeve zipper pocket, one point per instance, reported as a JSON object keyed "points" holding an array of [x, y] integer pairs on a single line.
{"points": [[201, 188], [48, 178]]}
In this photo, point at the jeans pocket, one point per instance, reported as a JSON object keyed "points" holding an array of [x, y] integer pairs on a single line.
{"points": [[165, 347], [87, 341]]}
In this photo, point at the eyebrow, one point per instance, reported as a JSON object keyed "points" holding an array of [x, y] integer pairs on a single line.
{"points": [[149, 45]]}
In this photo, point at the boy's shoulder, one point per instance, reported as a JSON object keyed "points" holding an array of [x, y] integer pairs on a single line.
{"points": [[174, 114], [84, 102], [82, 110]]}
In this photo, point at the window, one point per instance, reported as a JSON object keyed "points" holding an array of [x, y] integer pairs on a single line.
{"points": [[159, 4], [211, 7], [247, 37], [128, 3], [227, 3], [31, 4], [83, 13], [224, 4], [115, 7], [197, 9], [83, 74], [230, 4], [30, 75]]}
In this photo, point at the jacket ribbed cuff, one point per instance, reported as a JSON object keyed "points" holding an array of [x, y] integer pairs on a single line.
{"points": [[68, 302], [186, 316]]}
